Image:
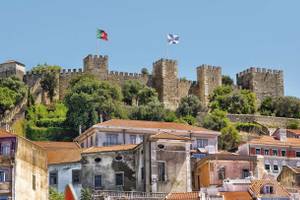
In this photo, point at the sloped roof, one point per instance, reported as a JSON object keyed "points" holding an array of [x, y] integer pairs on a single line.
{"points": [[125, 147], [269, 140], [236, 195], [49, 145], [183, 196], [295, 131], [4, 134], [61, 152], [12, 61], [256, 186], [150, 124], [164, 135]]}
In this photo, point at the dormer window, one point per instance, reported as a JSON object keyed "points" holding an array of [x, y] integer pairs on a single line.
{"points": [[267, 189]]}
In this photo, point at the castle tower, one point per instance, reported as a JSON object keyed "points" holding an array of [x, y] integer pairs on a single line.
{"points": [[96, 65], [263, 82], [165, 81], [208, 77]]}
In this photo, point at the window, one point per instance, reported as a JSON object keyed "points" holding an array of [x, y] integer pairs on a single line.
{"points": [[275, 152], [98, 181], [3, 198], [91, 141], [119, 179], [53, 178], [143, 173], [257, 151], [275, 168], [202, 143], [221, 173], [2, 176], [161, 171], [111, 139], [267, 167], [267, 189], [5, 149], [245, 173], [283, 153], [266, 151], [76, 176], [33, 182], [298, 154], [132, 139]]}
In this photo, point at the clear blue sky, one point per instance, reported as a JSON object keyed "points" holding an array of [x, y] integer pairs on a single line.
{"points": [[233, 34]]}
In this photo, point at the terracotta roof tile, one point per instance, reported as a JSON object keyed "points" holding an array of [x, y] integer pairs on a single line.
{"points": [[49, 145], [269, 140], [183, 196], [295, 131], [150, 124], [4, 134], [64, 156], [125, 147], [256, 186], [169, 136], [236, 195]]}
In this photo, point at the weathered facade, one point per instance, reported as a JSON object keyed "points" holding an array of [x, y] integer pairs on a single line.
{"points": [[289, 177], [264, 82], [12, 68], [23, 169]]}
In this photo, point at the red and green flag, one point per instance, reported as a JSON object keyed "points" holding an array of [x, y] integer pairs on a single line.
{"points": [[101, 34]]}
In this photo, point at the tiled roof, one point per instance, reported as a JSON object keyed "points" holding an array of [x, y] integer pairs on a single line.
{"points": [[294, 169], [64, 156], [4, 134], [236, 195], [256, 186], [269, 140], [150, 124], [57, 145], [125, 147], [169, 136], [295, 131], [183, 196], [12, 61]]}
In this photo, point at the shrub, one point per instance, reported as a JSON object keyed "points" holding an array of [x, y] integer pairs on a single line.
{"points": [[293, 124], [229, 138], [216, 120]]}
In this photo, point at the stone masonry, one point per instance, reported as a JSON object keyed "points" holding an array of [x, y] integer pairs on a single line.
{"points": [[165, 80]]}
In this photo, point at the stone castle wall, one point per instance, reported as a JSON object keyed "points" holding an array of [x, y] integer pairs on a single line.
{"points": [[165, 80], [264, 82]]}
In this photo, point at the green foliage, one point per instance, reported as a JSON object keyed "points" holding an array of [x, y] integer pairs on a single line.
{"points": [[293, 124], [153, 111], [147, 95], [55, 195], [49, 84], [48, 134], [281, 107], [88, 98], [46, 68], [227, 80], [248, 127], [189, 105], [145, 71], [188, 119], [86, 194], [170, 116], [12, 91], [216, 120], [236, 102], [229, 138]]}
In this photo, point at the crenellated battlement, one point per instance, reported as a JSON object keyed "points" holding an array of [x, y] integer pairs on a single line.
{"points": [[209, 67], [71, 71], [259, 70], [125, 74], [164, 60], [95, 58]]}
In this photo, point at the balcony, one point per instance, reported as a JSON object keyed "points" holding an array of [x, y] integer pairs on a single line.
{"points": [[5, 187], [6, 160], [111, 144]]}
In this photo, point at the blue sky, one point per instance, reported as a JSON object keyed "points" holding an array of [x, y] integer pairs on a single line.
{"points": [[233, 34]]}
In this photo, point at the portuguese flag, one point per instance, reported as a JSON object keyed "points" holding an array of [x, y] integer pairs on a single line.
{"points": [[101, 34]]}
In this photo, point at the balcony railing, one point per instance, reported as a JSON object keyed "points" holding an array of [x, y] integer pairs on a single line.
{"points": [[116, 195], [5, 187], [110, 144]]}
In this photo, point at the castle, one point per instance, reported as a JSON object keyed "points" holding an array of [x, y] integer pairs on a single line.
{"points": [[164, 79]]}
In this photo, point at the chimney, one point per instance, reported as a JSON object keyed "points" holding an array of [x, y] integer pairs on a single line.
{"points": [[282, 135]]}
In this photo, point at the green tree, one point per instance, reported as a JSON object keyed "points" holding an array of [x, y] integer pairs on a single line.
{"points": [[188, 119], [46, 68], [267, 107], [229, 138], [145, 71], [7, 99], [153, 111], [86, 194], [227, 80], [88, 98], [293, 124], [131, 90], [189, 105], [216, 120], [49, 84], [55, 195], [147, 95], [237, 102]]}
